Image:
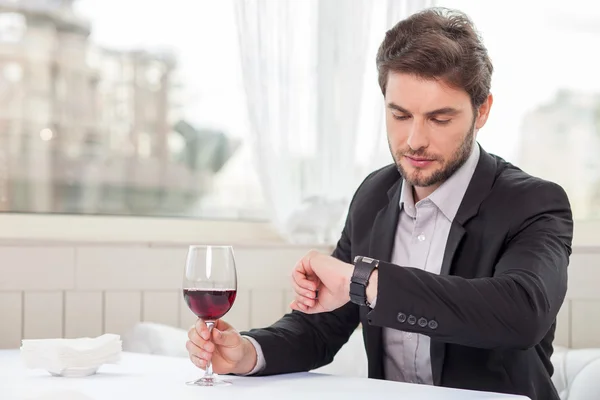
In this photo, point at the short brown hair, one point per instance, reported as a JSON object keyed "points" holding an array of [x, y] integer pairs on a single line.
{"points": [[438, 43]]}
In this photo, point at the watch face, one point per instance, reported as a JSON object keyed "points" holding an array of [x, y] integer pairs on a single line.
{"points": [[362, 271]]}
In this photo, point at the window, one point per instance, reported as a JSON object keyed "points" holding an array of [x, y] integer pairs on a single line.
{"points": [[138, 109], [12, 27], [546, 112], [122, 108]]}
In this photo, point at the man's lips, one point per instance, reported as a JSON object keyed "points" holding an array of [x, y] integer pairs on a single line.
{"points": [[419, 162]]}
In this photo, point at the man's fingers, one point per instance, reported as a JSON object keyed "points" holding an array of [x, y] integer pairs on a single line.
{"points": [[202, 329], [195, 338], [305, 300], [308, 294], [225, 338], [303, 282], [197, 351], [222, 325], [195, 360], [303, 293], [294, 305], [198, 362], [304, 309]]}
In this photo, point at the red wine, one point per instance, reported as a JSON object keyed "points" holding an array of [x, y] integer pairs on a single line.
{"points": [[209, 304]]}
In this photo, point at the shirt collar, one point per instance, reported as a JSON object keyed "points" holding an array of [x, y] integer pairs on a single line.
{"points": [[450, 193]]}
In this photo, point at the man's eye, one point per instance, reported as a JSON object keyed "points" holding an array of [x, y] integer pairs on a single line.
{"points": [[441, 121]]}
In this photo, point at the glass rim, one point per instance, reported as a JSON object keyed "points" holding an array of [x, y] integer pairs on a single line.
{"points": [[205, 246]]}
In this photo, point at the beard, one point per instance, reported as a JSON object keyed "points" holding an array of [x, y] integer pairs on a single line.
{"points": [[448, 168]]}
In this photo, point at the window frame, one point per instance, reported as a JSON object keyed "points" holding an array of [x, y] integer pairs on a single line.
{"points": [[182, 231], [59, 228]]}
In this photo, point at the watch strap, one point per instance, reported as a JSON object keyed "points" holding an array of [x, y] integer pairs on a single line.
{"points": [[363, 268]]}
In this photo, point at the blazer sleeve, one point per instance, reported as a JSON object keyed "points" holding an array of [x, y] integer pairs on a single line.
{"points": [[514, 308], [301, 342]]}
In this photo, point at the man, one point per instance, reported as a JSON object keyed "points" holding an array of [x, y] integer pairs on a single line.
{"points": [[454, 261]]}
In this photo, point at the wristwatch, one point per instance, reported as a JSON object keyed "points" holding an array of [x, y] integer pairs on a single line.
{"points": [[363, 268]]}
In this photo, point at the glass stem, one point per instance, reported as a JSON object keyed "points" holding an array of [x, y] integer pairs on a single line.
{"points": [[209, 371]]}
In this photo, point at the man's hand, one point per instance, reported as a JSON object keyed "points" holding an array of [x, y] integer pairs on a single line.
{"points": [[321, 283], [229, 352]]}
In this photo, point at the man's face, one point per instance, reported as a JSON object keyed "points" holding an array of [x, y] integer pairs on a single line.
{"points": [[431, 127]]}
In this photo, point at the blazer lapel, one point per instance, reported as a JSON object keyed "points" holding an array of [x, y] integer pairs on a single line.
{"points": [[380, 247], [479, 187], [384, 227]]}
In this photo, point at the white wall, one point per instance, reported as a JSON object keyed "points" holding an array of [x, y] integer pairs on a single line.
{"points": [[56, 289], [71, 290]]}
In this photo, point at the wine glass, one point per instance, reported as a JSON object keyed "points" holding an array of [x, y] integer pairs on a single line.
{"points": [[209, 289]]}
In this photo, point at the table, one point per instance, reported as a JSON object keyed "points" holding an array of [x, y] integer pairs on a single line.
{"points": [[158, 377]]}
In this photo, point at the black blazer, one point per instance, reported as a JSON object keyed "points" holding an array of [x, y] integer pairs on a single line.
{"points": [[490, 313]]}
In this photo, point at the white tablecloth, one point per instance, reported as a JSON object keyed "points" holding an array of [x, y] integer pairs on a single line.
{"points": [[157, 377]]}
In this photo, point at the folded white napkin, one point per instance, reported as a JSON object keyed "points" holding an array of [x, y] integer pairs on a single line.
{"points": [[59, 355]]}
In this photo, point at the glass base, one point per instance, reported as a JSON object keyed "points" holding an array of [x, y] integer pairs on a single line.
{"points": [[208, 381]]}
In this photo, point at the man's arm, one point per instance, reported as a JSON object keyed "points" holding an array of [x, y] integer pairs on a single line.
{"points": [[302, 342], [513, 309]]}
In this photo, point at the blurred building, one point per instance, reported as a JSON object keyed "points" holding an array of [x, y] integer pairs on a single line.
{"points": [[91, 130], [560, 141]]}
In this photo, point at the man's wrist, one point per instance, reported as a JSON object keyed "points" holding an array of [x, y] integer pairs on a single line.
{"points": [[348, 280], [249, 360], [372, 286]]}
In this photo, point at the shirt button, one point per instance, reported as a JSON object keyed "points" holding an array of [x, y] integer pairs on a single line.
{"points": [[412, 320], [401, 317], [421, 237], [433, 324], [422, 322], [409, 335]]}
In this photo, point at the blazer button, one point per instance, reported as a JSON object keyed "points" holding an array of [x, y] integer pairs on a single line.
{"points": [[412, 320], [433, 324], [422, 322], [401, 318]]}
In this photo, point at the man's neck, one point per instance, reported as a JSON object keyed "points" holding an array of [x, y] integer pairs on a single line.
{"points": [[419, 193]]}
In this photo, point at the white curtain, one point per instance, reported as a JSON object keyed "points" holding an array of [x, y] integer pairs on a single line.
{"points": [[303, 67], [388, 14]]}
